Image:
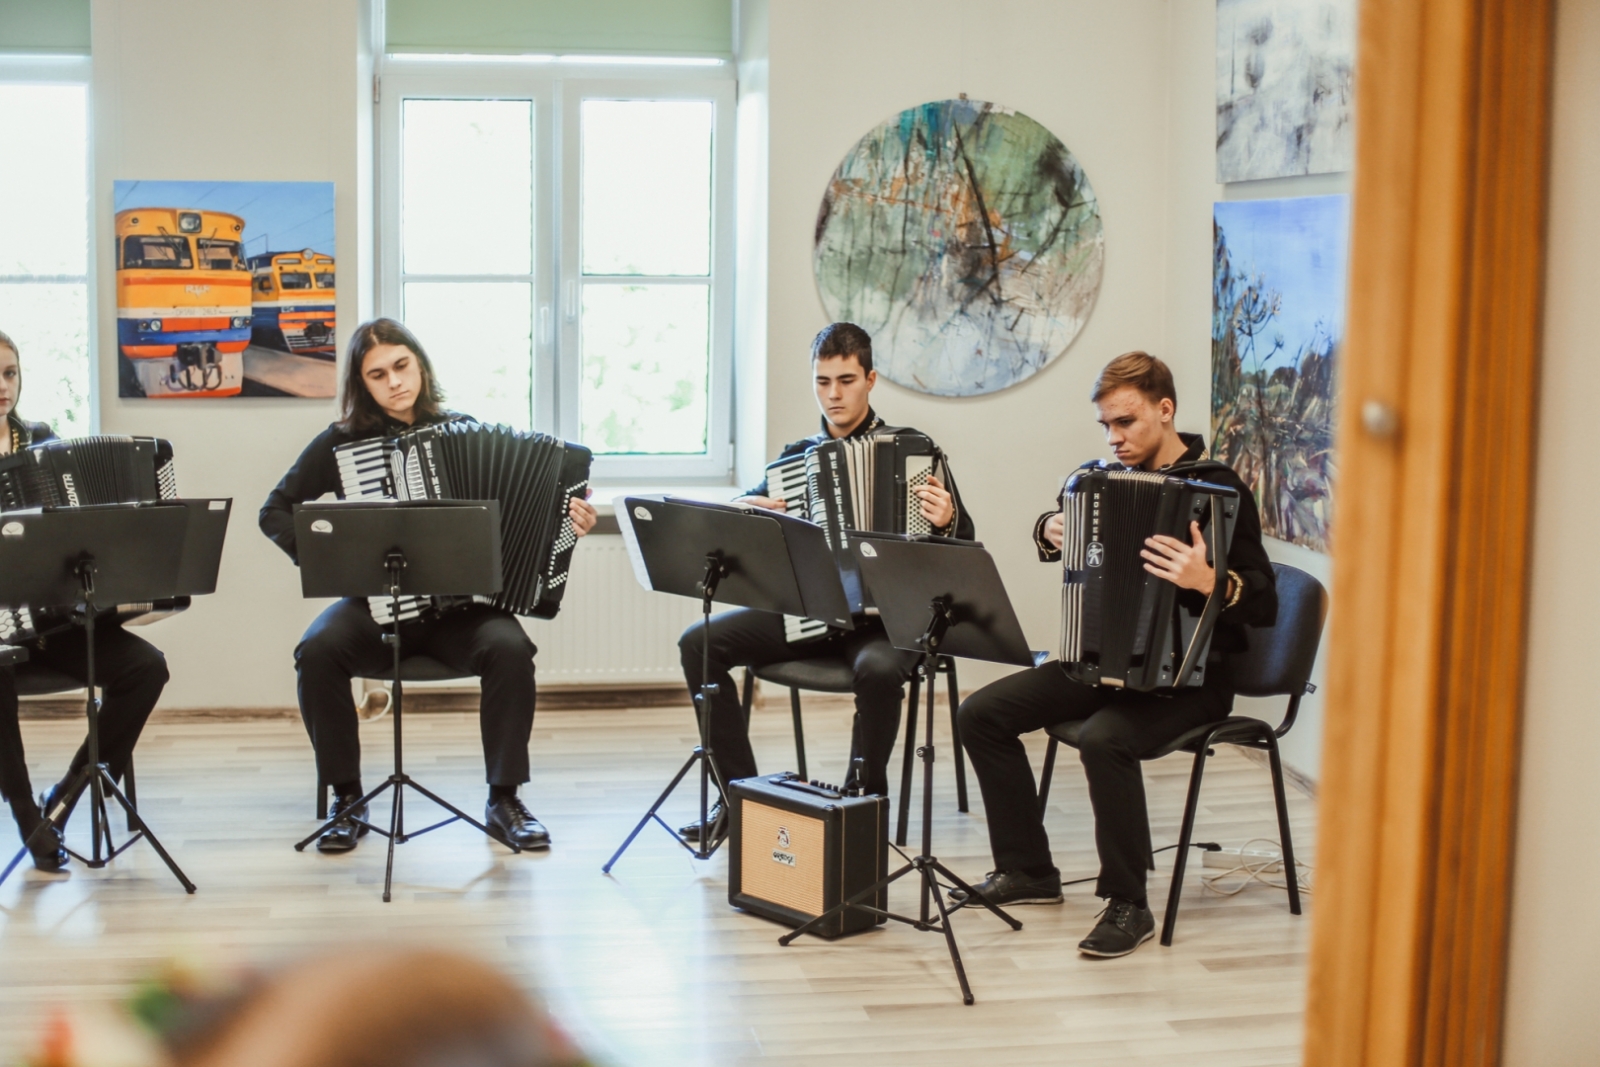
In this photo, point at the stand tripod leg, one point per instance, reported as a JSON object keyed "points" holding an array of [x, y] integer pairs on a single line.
{"points": [[458, 813], [931, 885], [137, 820], [394, 832], [651, 814], [300, 846]]}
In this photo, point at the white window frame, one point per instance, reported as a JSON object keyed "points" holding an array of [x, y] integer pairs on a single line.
{"points": [[557, 90], [46, 69]]}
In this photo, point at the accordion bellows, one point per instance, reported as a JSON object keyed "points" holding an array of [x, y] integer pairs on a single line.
{"points": [[1121, 625], [532, 475]]}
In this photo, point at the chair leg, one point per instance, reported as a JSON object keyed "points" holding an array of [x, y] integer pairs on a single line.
{"points": [[1291, 875], [1045, 773], [749, 695], [130, 788], [907, 756], [1182, 862], [955, 737], [799, 732]]}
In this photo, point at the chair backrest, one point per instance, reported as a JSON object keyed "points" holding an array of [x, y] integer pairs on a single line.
{"points": [[1280, 657]]}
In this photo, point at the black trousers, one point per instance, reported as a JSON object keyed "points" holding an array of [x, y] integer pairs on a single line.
{"points": [[130, 672], [345, 642], [746, 638], [1119, 726]]}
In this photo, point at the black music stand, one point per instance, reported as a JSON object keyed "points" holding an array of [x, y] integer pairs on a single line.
{"points": [[730, 554], [83, 557], [394, 549], [939, 598]]}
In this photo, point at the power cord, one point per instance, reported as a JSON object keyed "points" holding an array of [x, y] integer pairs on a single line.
{"points": [[1203, 846], [1256, 871]]}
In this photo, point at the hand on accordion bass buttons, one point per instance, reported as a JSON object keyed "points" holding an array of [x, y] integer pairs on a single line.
{"points": [[938, 507], [1055, 530], [583, 514], [770, 503], [1184, 565]]}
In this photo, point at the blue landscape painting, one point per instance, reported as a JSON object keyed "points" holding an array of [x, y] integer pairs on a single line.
{"points": [[1277, 326]]}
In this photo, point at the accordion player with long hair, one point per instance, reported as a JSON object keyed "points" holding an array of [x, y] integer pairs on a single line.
{"points": [[391, 402], [1136, 669], [131, 672]]}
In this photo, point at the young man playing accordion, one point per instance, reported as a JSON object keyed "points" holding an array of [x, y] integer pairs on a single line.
{"points": [[841, 365], [1135, 402], [389, 388]]}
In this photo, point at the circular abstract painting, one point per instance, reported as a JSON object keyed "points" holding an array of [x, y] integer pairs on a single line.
{"points": [[966, 240]]}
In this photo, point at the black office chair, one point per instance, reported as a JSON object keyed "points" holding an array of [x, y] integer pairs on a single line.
{"points": [[35, 679], [1278, 663], [412, 669], [833, 675]]}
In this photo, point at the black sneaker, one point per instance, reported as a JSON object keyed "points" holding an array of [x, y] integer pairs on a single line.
{"points": [[343, 835], [691, 831], [1004, 888], [1123, 927], [511, 823]]}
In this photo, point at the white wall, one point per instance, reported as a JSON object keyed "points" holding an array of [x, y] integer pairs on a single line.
{"points": [[1093, 73], [1555, 927], [292, 102]]}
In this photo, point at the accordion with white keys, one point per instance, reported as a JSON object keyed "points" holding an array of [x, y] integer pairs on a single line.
{"points": [[856, 483], [1121, 625], [78, 472], [532, 475]]}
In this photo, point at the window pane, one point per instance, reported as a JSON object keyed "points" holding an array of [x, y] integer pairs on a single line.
{"points": [[50, 324], [645, 358], [467, 197], [44, 205], [477, 335], [647, 186]]}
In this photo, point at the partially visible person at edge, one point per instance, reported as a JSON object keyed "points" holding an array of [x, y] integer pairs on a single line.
{"points": [[130, 671], [389, 387], [1135, 402], [842, 380]]}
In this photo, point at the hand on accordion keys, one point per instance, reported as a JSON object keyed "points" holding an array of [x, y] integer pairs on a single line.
{"points": [[583, 514], [938, 507], [1183, 565]]}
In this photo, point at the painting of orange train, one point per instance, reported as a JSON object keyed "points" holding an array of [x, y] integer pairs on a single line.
{"points": [[225, 289]]}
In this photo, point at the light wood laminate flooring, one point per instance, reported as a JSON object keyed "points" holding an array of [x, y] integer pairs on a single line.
{"points": [[650, 965]]}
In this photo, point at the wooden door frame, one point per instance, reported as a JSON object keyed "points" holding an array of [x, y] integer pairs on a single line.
{"points": [[1436, 449]]}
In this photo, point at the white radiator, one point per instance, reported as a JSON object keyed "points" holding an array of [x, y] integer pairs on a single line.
{"points": [[610, 630]]}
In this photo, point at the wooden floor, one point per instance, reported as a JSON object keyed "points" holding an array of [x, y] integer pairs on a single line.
{"points": [[650, 965]]}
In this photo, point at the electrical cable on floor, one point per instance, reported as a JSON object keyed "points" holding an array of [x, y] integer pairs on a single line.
{"points": [[1203, 846], [1257, 871]]}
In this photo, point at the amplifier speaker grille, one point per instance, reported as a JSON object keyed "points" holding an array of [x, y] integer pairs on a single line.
{"points": [[765, 866]]}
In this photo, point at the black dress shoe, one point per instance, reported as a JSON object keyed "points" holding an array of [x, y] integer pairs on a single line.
{"points": [[511, 823], [47, 801], [716, 816], [1123, 927], [343, 835], [47, 849], [1004, 888]]}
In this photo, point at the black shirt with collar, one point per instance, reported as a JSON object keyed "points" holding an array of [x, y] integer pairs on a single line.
{"points": [[316, 474], [1247, 554], [960, 525]]}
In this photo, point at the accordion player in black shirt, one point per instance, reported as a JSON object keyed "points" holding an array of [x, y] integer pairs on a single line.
{"points": [[1136, 403], [130, 671], [389, 388], [841, 363]]}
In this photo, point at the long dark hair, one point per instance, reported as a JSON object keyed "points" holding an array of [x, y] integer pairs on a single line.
{"points": [[358, 412], [13, 421]]}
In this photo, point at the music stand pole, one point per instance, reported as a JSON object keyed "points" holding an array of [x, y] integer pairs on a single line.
{"points": [[395, 562], [711, 838]]}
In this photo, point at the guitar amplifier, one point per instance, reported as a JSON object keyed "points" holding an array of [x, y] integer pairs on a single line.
{"points": [[798, 848]]}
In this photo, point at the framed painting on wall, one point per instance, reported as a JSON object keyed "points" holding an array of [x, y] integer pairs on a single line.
{"points": [[225, 289]]}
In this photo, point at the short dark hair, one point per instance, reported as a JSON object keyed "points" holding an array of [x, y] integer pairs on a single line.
{"points": [[1141, 370], [358, 412], [843, 339]]}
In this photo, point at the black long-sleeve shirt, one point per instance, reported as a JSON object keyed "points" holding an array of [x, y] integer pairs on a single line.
{"points": [[1247, 554], [960, 524], [316, 474]]}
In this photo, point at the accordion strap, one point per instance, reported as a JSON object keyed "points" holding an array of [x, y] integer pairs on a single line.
{"points": [[1218, 543]]}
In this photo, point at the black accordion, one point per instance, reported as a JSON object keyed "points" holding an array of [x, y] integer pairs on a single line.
{"points": [[856, 483], [1121, 625], [78, 472], [532, 475]]}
